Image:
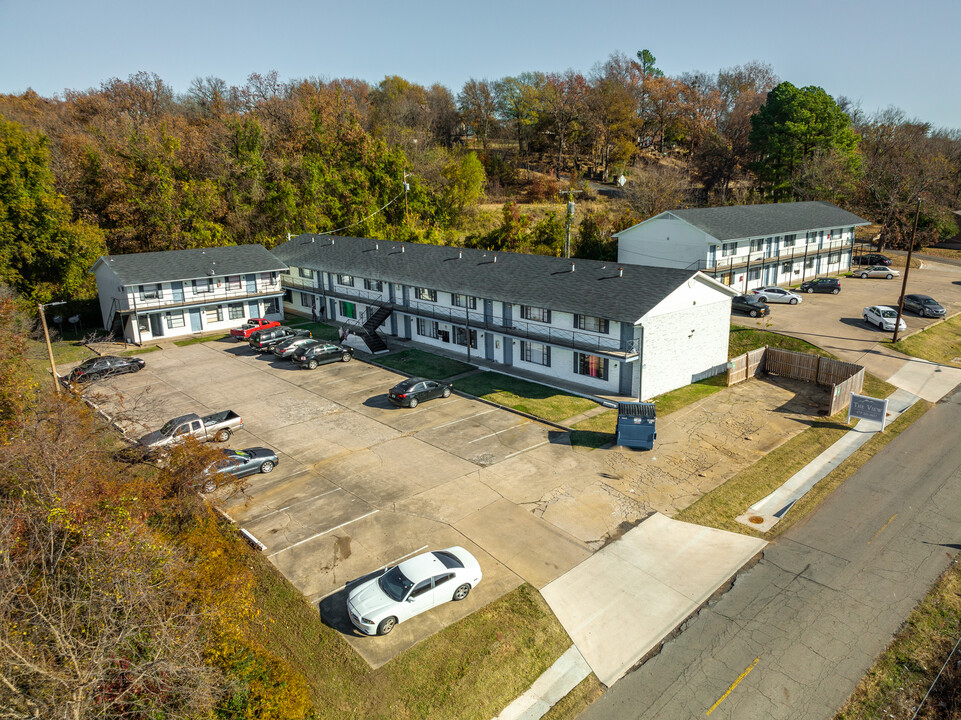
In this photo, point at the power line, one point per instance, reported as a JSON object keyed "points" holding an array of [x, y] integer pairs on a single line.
{"points": [[376, 212]]}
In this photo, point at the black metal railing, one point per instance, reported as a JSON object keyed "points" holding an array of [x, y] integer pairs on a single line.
{"points": [[167, 302]]}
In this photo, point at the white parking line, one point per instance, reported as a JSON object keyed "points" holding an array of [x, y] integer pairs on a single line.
{"points": [[317, 535], [274, 512], [512, 427], [454, 422], [390, 564], [526, 449]]}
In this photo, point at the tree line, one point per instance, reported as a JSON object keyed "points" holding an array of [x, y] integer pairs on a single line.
{"points": [[133, 166]]}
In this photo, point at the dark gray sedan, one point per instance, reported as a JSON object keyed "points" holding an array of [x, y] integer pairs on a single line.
{"points": [[416, 390], [287, 348], [240, 463], [923, 305]]}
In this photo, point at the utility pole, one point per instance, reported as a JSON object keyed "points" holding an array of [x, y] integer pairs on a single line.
{"points": [[907, 269], [569, 217], [46, 335]]}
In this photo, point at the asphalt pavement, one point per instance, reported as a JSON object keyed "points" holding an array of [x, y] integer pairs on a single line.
{"points": [[796, 633]]}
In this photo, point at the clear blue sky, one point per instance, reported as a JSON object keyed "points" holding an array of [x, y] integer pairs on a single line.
{"points": [[880, 53]]}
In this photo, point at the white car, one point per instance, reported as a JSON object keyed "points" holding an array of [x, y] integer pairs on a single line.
{"points": [[776, 295], [877, 271], [414, 586], [882, 316]]}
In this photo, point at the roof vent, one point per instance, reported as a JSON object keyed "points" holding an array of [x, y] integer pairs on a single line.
{"points": [[620, 272], [333, 242], [376, 246], [311, 239], [572, 267], [460, 254], [210, 273], [403, 249]]}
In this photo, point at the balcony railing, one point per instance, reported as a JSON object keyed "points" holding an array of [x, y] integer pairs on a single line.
{"points": [[761, 257], [217, 295], [475, 320]]}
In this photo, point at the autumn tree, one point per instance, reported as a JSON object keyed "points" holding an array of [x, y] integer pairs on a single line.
{"points": [[478, 108], [43, 253], [612, 102], [652, 189], [789, 127]]}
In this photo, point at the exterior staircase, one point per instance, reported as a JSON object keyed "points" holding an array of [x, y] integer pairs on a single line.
{"points": [[368, 330]]}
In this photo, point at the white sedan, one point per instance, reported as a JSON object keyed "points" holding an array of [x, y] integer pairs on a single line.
{"points": [[414, 586], [882, 316], [877, 271], [776, 295]]}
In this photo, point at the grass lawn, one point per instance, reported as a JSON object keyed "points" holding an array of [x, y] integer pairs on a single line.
{"points": [[200, 339], [941, 252], [418, 363], [65, 352], [321, 331], [744, 339], [472, 669], [902, 674], [529, 397], [140, 351], [720, 506], [940, 343]]}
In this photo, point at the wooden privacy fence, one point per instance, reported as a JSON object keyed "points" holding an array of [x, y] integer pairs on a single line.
{"points": [[843, 378]]}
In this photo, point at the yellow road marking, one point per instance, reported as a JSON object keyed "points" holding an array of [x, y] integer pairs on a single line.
{"points": [[733, 685], [882, 528]]}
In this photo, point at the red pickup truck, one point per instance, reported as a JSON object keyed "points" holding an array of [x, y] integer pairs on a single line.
{"points": [[251, 326]]}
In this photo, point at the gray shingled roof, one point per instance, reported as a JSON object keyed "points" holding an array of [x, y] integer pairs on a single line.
{"points": [[594, 288], [747, 221], [156, 267]]}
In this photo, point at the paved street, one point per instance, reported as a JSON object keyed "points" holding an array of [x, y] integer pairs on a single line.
{"points": [[798, 631]]}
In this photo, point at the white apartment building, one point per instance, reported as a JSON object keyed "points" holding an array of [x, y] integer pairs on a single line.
{"points": [[146, 296], [746, 246]]}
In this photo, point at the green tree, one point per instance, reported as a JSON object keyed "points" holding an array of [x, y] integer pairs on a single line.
{"points": [[646, 60], [43, 254], [790, 127], [465, 185]]}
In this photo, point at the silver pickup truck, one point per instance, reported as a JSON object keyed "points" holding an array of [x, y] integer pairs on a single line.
{"points": [[216, 427]]}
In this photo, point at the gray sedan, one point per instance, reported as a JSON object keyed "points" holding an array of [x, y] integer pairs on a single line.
{"points": [[240, 463], [923, 305]]}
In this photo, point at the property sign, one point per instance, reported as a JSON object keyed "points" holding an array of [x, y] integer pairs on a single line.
{"points": [[868, 408]]}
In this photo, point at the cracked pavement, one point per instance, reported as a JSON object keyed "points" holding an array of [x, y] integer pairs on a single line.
{"points": [[796, 633]]}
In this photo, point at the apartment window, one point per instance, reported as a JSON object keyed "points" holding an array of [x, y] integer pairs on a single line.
{"points": [[375, 285], [235, 311], [834, 257], [266, 278], [347, 280], [143, 323], [757, 245], [306, 300], [215, 314], [289, 296], [427, 328], [590, 365], [150, 292], [536, 353], [460, 337], [348, 309], [786, 268], [789, 240], [271, 307], [728, 249], [754, 274], [809, 264], [529, 312], [306, 273], [203, 286], [812, 238], [591, 324], [463, 301], [174, 320], [233, 282], [425, 294]]}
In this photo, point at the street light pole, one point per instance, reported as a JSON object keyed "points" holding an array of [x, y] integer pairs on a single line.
{"points": [[46, 335], [907, 269]]}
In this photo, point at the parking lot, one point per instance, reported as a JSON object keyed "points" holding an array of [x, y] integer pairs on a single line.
{"points": [[834, 322]]}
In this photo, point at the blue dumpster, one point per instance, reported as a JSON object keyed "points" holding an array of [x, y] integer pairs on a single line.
{"points": [[635, 425]]}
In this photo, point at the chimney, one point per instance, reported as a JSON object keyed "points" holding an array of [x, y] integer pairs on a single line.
{"points": [[620, 272]]}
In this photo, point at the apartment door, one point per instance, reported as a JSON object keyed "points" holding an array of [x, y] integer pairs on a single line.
{"points": [[253, 307], [251, 283], [156, 325], [177, 291], [195, 325]]}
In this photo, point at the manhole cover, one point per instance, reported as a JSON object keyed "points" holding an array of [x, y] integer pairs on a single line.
{"points": [[756, 519]]}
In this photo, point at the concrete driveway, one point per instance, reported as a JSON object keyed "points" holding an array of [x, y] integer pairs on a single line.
{"points": [[362, 485]]}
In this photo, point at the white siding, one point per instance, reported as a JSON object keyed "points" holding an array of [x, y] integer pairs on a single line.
{"points": [[664, 241]]}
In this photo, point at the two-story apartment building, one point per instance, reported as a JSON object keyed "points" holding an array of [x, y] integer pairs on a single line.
{"points": [[606, 328], [145, 296], [746, 246]]}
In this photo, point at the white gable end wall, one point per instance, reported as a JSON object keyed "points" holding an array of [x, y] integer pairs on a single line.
{"points": [[685, 338], [663, 241]]}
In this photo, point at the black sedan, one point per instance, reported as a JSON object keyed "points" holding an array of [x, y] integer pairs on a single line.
{"points": [[240, 463], [923, 305], [750, 305], [310, 355], [416, 390], [101, 367], [287, 348], [873, 259]]}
